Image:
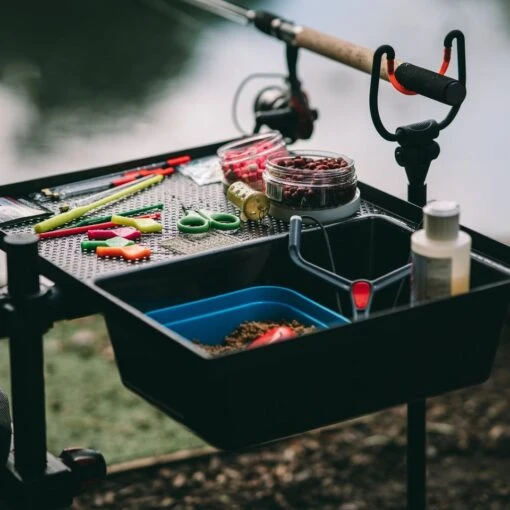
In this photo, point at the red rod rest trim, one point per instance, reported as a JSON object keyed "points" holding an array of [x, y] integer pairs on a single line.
{"points": [[390, 69]]}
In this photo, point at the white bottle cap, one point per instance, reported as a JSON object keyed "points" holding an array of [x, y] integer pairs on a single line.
{"points": [[441, 220]]}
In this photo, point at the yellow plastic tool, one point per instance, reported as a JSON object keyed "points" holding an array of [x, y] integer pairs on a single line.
{"points": [[60, 219], [145, 225]]}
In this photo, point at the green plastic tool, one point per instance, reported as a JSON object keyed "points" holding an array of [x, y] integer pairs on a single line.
{"points": [[142, 224], [112, 242]]}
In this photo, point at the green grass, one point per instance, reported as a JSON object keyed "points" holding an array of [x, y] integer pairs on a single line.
{"points": [[86, 403]]}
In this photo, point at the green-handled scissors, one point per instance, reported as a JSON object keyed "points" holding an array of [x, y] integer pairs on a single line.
{"points": [[198, 221]]}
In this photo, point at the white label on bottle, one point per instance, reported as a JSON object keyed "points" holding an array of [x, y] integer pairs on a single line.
{"points": [[431, 278]]}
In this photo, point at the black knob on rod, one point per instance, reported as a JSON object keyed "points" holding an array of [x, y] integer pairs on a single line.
{"points": [[22, 274]]}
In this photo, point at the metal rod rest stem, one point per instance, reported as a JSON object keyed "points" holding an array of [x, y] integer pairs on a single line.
{"points": [[416, 456], [417, 434], [417, 193]]}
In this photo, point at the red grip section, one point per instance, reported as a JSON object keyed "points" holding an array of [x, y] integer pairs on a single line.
{"points": [[390, 69], [446, 60]]}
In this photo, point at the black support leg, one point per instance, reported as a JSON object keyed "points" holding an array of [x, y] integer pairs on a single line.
{"points": [[416, 455], [26, 357]]}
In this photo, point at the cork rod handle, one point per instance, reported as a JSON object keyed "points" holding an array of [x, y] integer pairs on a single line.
{"points": [[337, 49]]}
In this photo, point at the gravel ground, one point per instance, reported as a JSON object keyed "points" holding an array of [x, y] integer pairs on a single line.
{"points": [[355, 466]]}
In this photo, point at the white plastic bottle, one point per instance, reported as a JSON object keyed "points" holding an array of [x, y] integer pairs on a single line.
{"points": [[441, 262]]}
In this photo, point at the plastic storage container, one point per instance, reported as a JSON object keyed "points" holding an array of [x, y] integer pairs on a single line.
{"points": [[245, 159], [320, 183], [211, 320]]}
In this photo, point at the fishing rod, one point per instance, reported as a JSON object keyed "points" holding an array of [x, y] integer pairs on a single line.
{"points": [[405, 77], [290, 113]]}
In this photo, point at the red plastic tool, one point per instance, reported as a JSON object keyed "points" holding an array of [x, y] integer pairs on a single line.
{"points": [[131, 176], [178, 160], [125, 232], [273, 335], [133, 252]]}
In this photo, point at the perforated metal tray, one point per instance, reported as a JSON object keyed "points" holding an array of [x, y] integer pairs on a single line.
{"points": [[65, 253]]}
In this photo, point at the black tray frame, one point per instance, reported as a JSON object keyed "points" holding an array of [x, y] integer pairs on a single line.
{"points": [[94, 300]]}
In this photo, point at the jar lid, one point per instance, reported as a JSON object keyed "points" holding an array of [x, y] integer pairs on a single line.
{"points": [[441, 220]]}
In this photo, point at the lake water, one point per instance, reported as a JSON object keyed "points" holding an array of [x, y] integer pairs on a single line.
{"points": [[111, 81]]}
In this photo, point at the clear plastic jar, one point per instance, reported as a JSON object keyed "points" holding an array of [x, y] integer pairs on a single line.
{"points": [[310, 180], [245, 159]]}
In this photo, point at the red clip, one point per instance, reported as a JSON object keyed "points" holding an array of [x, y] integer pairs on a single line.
{"points": [[361, 292]]}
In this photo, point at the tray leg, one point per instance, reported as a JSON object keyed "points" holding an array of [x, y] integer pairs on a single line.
{"points": [[416, 455], [26, 358], [33, 478]]}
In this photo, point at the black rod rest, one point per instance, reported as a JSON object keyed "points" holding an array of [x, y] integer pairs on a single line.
{"points": [[33, 478], [417, 149], [417, 146]]}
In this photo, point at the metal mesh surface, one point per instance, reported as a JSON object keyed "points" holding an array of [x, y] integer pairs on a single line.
{"points": [[173, 192]]}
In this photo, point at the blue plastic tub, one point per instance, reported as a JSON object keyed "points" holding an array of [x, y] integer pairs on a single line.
{"points": [[210, 320]]}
